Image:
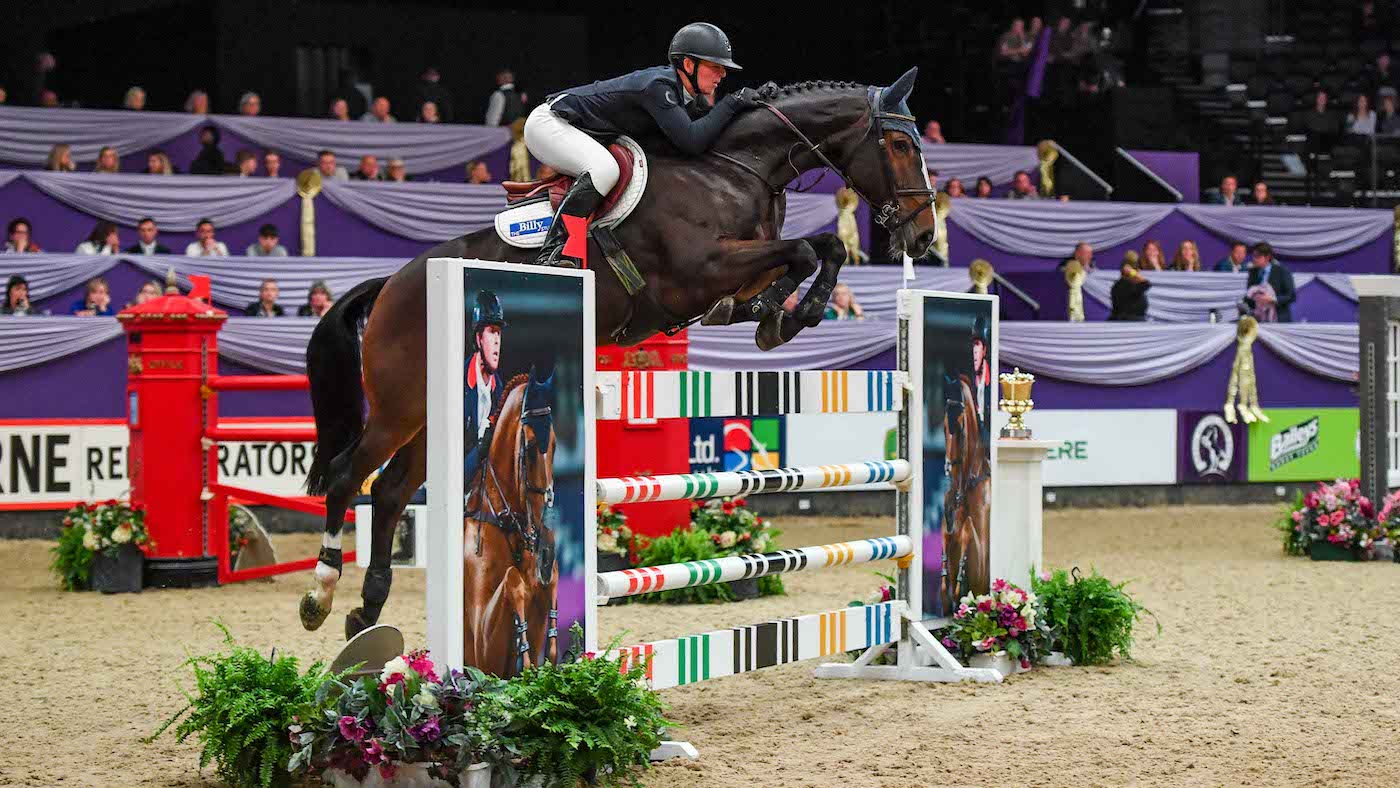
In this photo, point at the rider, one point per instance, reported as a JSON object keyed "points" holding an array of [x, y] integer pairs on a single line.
{"points": [[562, 132], [981, 377], [483, 379]]}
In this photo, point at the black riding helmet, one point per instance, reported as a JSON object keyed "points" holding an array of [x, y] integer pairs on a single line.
{"points": [[487, 311], [701, 41]]}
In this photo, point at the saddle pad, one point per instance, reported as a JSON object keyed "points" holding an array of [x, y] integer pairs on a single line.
{"points": [[525, 224]]}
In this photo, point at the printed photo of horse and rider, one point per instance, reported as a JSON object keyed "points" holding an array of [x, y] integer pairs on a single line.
{"points": [[960, 392], [524, 438]]}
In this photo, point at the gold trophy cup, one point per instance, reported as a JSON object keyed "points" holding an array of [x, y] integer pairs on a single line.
{"points": [[1016, 400]]}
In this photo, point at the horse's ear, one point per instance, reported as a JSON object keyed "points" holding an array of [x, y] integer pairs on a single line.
{"points": [[949, 382], [897, 93]]}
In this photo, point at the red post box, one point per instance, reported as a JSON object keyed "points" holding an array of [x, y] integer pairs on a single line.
{"points": [[648, 446]]}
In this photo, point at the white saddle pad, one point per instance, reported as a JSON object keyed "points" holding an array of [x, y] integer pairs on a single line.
{"points": [[525, 225]]}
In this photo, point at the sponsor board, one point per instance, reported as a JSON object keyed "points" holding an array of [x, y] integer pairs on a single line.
{"points": [[736, 444], [1305, 444], [1106, 447], [52, 463], [1210, 449]]}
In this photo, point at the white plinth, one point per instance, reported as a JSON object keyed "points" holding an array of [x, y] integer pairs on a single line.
{"points": [[1016, 516]]}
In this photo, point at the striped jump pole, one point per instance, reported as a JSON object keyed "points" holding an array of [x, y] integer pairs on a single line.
{"points": [[629, 582], [631, 489], [671, 394]]}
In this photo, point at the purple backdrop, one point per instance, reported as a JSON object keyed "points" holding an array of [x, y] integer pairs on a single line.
{"points": [[1180, 169]]}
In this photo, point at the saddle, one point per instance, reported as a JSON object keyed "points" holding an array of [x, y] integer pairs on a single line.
{"points": [[527, 191]]}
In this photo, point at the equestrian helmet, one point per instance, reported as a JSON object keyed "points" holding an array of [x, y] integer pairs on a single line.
{"points": [[487, 311], [980, 331], [703, 41]]}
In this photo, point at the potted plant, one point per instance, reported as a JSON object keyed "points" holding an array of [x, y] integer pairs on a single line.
{"points": [[1290, 525], [737, 530], [1090, 618], [1388, 525], [1338, 520], [405, 727], [584, 719], [1051, 591], [101, 547], [618, 547], [996, 630], [243, 706]]}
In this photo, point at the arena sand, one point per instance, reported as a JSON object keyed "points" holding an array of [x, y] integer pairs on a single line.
{"points": [[1269, 671]]}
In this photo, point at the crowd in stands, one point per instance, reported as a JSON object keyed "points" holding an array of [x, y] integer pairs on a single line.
{"points": [[1269, 288]]}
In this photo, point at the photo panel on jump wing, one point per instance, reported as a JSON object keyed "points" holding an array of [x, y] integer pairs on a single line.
{"points": [[957, 343], [510, 425]]}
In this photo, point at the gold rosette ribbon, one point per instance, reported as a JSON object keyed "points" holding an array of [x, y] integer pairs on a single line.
{"points": [[1242, 380], [942, 206], [980, 272], [1047, 154], [519, 154], [1074, 277], [847, 229], [308, 186]]}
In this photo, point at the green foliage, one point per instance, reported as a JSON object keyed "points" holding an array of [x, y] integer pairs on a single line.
{"points": [[1091, 618], [1295, 539], [585, 720], [677, 547], [242, 710], [72, 562]]}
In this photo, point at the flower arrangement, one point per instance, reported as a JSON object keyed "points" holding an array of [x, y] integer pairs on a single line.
{"points": [[718, 528], [92, 528], [734, 528], [1007, 620], [407, 715], [1388, 521], [1337, 514], [615, 537]]}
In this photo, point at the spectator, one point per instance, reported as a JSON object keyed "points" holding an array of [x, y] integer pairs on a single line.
{"points": [[1022, 188], [272, 163], [325, 163], [1084, 253], [379, 112], [955, 188], [318, 300], [1152, 257], [197, 103], [157, 163], [266, 305], [205, 245], [1187, 257], [1227, 194], [149, 289], [984, 188], [1014, 46], [1128, 296], [1362, 120], [1387, 120], [477, 172], [247, 163], [96, 302], [1380, 74], [61, 159], [1269, 291], [48, 98], [843, 304], [210, 160], [103, 240], [4, 96], [506, 103], [1321, 124], [21, 237], [368, 171], [431, 91], [1261, 194], [933, 132], [135, 98], [397, 172], [1061, 42], [340, 109], [107, 161], [428, 113], [1236, 260], [16, 297], [149, 236], [250, 104], [266, 245]]}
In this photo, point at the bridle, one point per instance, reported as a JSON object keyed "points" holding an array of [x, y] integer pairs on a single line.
{"points": [[529, 525], [887, 214]]}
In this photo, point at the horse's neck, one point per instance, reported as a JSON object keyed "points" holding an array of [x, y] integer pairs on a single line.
{"points": [[977, 464], [498, 480], [761, 140]]}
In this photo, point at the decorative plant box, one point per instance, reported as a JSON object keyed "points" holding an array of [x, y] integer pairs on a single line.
{"points": [[1000, 661], [1382, 551], [120, 574], [410, 775], [1056, 659], [613, 562], [1324, 550], [744, 589]]}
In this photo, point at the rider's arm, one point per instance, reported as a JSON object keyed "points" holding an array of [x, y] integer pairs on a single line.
{"points": [[692, 137]]}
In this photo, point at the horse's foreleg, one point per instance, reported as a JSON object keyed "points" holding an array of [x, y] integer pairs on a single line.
{"points": [[746, 267], [391, 493], [779, 326]]}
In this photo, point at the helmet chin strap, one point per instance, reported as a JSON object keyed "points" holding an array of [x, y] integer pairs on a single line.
{"points": [[694, 76]]}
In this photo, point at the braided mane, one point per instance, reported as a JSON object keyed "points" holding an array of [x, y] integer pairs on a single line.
{"points": [[511, 385], [809, 86]]}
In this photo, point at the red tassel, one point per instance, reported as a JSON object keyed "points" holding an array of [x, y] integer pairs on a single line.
{"points": [[576, 244]]}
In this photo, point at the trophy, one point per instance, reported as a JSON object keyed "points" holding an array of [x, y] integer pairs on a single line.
{"points": [[1016, 400]]}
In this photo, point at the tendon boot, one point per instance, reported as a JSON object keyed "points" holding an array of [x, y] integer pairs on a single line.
{"points": [[566, 243]]}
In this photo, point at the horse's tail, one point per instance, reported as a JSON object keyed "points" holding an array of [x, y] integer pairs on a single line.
{"points": [[337, 392]]}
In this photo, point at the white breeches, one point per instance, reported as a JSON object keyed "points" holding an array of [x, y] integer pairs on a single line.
{"points": [[553, 141]]}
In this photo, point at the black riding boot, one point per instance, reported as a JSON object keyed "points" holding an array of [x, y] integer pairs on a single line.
{"points": [[580, 202]]}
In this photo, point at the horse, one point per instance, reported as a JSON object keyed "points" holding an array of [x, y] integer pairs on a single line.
{"points": [[510, 579], [705, 237], [966, 505]]}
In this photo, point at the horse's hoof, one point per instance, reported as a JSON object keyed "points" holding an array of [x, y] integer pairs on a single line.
{"points": [[721, 314], [770, 332], [312, 614], [356, 622]]}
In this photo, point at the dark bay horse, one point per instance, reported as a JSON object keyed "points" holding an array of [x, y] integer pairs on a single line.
{"points": [[967, 504], [510, 578], [705, 238]]}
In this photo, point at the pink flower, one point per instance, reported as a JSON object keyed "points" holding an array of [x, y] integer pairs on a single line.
{"points": [[418, 661], [963, 610], [387, 770], [987, 645], [1046, 575], [1298, 516], [1367, 510], [351, 729], [430, 730], [1012, 632], [1310, 500], [1355, 484], [999, 585], [1025, 664], [950, 643], [374, 752], [1330, 501], [984, 606], [1338, 516]]}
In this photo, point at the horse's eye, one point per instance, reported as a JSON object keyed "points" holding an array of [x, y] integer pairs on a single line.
{"points": [[901, 146]]}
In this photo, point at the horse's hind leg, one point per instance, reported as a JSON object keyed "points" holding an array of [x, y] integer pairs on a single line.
{"points": [[779, 326], [770, 269], [391, 493]]}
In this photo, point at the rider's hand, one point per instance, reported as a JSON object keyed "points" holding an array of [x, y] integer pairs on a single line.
{"points": [[746, 98]]}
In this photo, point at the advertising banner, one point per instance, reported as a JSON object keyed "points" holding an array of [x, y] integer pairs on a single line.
{"points": [[1305, 444], [1107, 447], [1210, 449], [737, 443]]}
